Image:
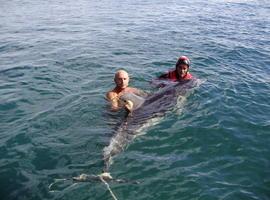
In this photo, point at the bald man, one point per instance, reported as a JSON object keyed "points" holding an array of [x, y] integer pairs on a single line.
{"points": [[121, 80]]}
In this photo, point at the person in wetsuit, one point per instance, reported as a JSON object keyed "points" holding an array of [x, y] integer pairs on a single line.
{"points": [[181, 71]]}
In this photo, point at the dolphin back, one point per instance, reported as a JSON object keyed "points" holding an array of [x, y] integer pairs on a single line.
{"points": [[145, 112]]}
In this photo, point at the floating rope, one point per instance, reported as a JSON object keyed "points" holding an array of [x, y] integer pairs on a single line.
{"points": [[56, 181], [108, 186]]}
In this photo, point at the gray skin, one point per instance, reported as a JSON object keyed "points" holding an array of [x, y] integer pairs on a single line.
{"points": [[154, 106]]}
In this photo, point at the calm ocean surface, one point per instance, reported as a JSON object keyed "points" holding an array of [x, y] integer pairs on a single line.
{"points": [[57, 60]]}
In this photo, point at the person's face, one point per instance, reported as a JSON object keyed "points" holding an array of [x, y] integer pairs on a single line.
{"points": [[182, 70], [121, 80]]}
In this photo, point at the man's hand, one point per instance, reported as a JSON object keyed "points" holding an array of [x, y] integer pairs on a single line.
{"points": [[129, 105]]}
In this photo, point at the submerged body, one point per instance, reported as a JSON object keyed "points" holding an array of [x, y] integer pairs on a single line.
{"points": [[144, 110]]}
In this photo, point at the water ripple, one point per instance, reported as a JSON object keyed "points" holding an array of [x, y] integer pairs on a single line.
{"points": [[58, 60]]}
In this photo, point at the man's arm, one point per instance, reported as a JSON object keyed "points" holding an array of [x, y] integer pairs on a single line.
{"points": [[113, 99]]}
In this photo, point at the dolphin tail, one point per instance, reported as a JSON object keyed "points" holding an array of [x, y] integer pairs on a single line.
{"points": [[104, 176]]}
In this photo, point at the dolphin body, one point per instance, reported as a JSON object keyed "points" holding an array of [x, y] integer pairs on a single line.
{"points": [[143, 111]]}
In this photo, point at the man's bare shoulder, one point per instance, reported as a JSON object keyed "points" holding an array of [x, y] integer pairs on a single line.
{"points": [[111, 95]]}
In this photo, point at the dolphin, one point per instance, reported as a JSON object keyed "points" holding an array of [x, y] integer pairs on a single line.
{"points": [[142, 113]]}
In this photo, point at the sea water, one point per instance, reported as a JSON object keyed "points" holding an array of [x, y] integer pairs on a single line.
{"points": [[58, 59]]}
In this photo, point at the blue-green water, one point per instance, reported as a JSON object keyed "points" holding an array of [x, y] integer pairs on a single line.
{"points": [[57, 60]]}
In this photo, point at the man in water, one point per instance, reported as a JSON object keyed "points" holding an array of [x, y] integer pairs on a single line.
{"points": [[121, 80], [181, 71]]}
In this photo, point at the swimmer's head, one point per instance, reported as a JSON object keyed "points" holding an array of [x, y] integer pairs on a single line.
{"points": [[183, 60], [182, 66], [121, 79]]}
